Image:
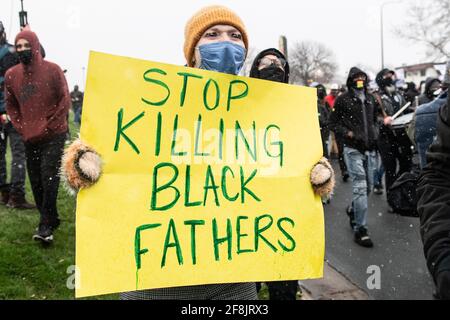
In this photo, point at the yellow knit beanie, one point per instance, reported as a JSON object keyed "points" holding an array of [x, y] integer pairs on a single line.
{"points": [[205, 19]]}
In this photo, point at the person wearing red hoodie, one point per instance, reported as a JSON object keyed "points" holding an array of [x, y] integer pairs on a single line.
{"points": [[38, 101]]}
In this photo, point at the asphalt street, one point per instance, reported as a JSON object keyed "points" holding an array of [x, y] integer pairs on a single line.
{"points": [[397, 252]]}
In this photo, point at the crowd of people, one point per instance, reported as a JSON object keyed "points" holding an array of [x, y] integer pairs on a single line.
{"points": [[359, 118]]}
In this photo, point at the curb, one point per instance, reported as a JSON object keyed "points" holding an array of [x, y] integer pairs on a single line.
{"points": [[333, 286]]}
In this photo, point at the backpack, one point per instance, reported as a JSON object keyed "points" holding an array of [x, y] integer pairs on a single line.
{"points": [[402, 196]]}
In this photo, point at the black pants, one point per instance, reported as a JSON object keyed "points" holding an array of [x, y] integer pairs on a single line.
{"points": [[395, 146], [325, 134], [43, 162], [340, 145], [18, 164], [281, 290]]}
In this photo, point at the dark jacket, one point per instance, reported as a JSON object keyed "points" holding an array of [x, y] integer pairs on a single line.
{"points": [[427, 96], [37, 96], [434, 206], [351, 115], [324, 113], [8, 59], [324, 117], [254, 72], [425, 126], [391, 103]]}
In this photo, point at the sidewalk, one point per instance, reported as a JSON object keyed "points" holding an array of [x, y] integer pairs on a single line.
{"points": [[333, 286]]}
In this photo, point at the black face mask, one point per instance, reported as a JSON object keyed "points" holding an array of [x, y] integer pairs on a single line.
{"points": [[25, 56], [272, 73], [388, 82]]}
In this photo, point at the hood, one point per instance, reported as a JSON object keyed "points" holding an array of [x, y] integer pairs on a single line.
{"points": [[428, 83], [254, 72], [321, 90], [379, 78], [32, 38], [411, 86], [351, 75]]}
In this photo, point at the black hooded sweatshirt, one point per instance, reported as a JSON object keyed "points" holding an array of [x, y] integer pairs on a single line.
{"points": [[352, 115], [254, 72], [434, 205]]}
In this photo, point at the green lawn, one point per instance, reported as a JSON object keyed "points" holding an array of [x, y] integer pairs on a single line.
{"points": [[28, 270]]}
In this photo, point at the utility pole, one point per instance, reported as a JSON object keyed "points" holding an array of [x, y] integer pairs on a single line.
{"points": [[23, 15], [283, 46], [382, 28], [83, 79]]}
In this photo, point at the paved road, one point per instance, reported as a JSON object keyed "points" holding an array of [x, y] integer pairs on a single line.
{"points": [[397, 251]]}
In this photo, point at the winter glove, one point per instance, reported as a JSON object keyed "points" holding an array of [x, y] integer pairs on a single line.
{"points": [[81, 166], [322, 178]]}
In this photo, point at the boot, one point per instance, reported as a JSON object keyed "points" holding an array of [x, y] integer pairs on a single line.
{"points": [[18, 201], [4, 197]]}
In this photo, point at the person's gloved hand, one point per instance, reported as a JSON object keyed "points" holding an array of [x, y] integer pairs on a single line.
{"points": [[81, 166], [322, 178]]}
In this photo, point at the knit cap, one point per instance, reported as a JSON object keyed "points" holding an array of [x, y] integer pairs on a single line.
{"points": [[205, 19]]}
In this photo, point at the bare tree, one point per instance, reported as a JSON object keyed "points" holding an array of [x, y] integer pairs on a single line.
{"points": [[312, 61], [429, 24]]}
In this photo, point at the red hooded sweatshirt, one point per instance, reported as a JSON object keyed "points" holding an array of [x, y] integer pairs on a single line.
{"points": [[37, 96]]}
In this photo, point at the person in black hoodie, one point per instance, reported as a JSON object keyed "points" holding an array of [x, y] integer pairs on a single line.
{"points": [[271, 65], [411, 93], [394, 144], [355, 119], [433, 193], [431, 86]]}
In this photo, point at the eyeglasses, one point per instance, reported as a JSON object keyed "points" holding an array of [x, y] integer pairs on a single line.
{"points": [[267, 62]]}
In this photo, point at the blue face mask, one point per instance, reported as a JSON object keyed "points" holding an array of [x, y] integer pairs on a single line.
{"points": [[226, 57]]}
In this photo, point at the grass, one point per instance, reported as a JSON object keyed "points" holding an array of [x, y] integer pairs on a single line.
{"points": [[27, 269]]}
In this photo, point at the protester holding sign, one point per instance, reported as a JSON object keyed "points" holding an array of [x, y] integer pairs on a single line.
{"points": [[37, 101], [355, 118], [215, 40]]}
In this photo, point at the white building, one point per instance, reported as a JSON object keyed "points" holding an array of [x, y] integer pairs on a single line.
{"points": [[420, 72]]}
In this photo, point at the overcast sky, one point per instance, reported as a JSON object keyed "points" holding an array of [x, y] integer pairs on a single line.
{"points": [[154, 30]]}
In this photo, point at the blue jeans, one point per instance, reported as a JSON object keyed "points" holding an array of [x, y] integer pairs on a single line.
{"points": [[18, 163], [361, 169], [379, 171], [77, 113]]}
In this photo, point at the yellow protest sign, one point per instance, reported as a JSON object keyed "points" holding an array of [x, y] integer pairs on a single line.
{"points": [[206, 179]]}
